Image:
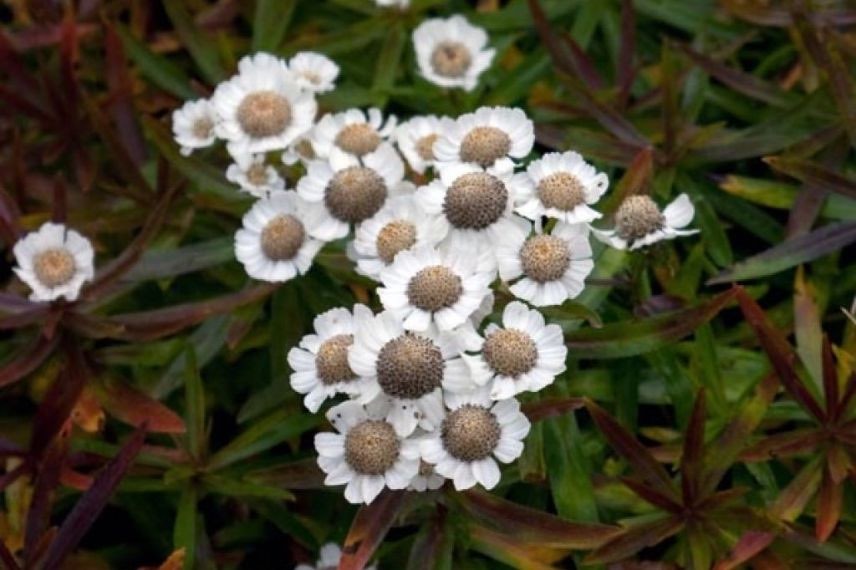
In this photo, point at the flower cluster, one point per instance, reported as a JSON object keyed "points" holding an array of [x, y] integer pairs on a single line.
{"points": [[438, 211]]}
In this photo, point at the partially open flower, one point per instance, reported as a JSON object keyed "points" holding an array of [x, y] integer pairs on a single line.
{"points": [[524, 355], [401, 225], [345, 191], [639, 222], [320, 363], [367, 454], [54, 261], [275, 243], [406, 369], [427, 479], [254, 176], [425, 287], [262, 108], [474, 432], [452, 52], [193, 125], [486, 137], [551, 268], [352, 133], [562, 186], [314, 71], [416, 140]]}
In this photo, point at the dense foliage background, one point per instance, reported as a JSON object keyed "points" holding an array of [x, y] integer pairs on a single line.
{"points": [[698, 423]]}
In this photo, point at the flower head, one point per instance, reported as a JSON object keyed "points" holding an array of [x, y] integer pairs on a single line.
{"points": [[194, 125], [562, 186], [452, 52], [313, 71], [254, 176], [639, 222], [486, 137], [352, 133], [416, 140], [55, 261]]}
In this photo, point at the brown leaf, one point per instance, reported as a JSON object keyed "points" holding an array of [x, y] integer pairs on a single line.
{"points": [[369, 528]]}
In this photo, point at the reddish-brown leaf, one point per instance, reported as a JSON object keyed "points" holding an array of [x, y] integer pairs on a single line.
{"points": [[651, 495], [136, 408], [693, 449], [635, 538], [544, 409], [27, 360], [369, 528], [828, 507], [749, 545]]}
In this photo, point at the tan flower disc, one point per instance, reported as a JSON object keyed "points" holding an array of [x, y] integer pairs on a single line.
{"points": [[394, 237], [264, 114], [451, 59], [425, 147], [562, 191], [355, 194], [470, 433], [371, 447], [484, 145], [475, 201], [54, 267], [358, 139], [331, 362], [510, 352], [545, 258], [434, 288], [409, 367], [637, 217], [257, 173], [282, 237], [202, 128]]}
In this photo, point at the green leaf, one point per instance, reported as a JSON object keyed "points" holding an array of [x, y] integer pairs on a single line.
{"points": [[270, 23], [158, 69], [387, 63], [194, 395], [185, 530], [164, 263], [262, 435], [202, 49]]}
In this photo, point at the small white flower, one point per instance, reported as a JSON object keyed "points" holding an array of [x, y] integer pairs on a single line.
{"points": [[262, 108], [416, 139], [405, 369], [474, 432], [300, 151], [524, 355], [329, 557], [320, 363], [425, 287], [275, 242], [486, 137], [55, 261], [314, 71], [401, 225], [254, 176], [395, 3], [367, 454], [427, 479], [452, 52], [553, 266], [639, 222], [475, 204], [194, 125], [562, 186], [352, 133], [344, 191]]}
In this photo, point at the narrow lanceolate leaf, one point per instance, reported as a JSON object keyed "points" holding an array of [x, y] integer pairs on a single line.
{"points": [[511, 551], [534, 527], [640, 459], [201, 48], [369, 528], [749, 545], [158, 69], [635, 538], [27, 360], [793, 499], [792, 252], [813, 173], [131, 406], [693, 450], [93, 501], [829, 503], [619, 340], [270, 23], [543, 409]]}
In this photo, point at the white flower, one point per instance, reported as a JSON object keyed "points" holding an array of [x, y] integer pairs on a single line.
{"points": [[486, 137], [416, 139], [425, 287], [473, 433], [320, 363], [352, 133], [639, 222], [193, 125], [55, 261], [314, 71], [524, 355], [401, 225], [427, 479], [300, 151], [343, 191], [262, 108], [275, 242], [367, 454], [396, 3], [553, 266], [475, 204], [405, 369], [329, 557], [254, 176], [562, 186], [452, 52]]}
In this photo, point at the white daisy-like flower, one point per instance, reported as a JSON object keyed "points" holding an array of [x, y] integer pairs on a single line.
{"points": [[320, 362], [426, 286], [475, 204], [194, 125], [639, 222], [55, 261], [275, 242], [427, 479], [367, 454], [553, 266], [329, 557], [314, 71], [254, 176], [486, 137], [300, 151], [416, 139], [524, 355], [393, 3], [352, 133], [562, 186], [406, 369], [452, 52], [474, 432], [262, 108], [345, 191], [401, 225]]}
